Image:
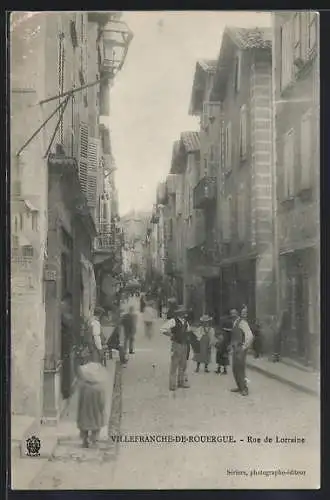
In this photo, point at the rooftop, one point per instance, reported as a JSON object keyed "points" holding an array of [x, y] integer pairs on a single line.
{"points": [[190, 141], [250, 38]]}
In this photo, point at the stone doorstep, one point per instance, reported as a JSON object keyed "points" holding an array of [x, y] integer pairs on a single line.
{"points": [[282, 372]]}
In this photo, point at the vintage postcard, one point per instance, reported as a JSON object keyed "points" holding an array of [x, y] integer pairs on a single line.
{"points": [[165, 238]]}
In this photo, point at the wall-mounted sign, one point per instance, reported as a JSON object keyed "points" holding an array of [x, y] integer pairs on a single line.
{"points": [[50, 275]]}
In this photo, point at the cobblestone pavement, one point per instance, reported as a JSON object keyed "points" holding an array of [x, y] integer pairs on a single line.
{"points": [[207, 408]]}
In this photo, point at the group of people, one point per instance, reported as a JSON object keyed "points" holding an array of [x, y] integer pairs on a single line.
{"points": [[235, 335]]}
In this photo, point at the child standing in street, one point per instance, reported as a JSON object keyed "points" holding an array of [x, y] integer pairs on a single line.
{"points": [[222, 351]]}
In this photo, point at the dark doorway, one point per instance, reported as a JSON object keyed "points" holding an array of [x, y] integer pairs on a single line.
{"points": [[66, 375], [213, 298]]}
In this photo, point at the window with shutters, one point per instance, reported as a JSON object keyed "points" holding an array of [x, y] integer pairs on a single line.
{"points": [[228, 148], [241, 226], [27, 251], [226, 219], [297, 35], [84, 56], [83, 156], [286, 54], [61, 65], [304, 37], [243, 132], [210, 111], [288, 164], [237, 72], [306, 150], [312, 31], [92, 172]]}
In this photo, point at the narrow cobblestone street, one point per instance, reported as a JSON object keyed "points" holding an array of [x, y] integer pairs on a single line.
{"points": [[207, 407]]}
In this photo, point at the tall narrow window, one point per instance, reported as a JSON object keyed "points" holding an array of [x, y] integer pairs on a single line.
{"points": [[312, 30], [226, 219], [243, 132], [306, 150], [34, 221], [237, 72], [61, 61], [288, 164], [241, 226], [287, 54], [297, 35], [228, 147]]}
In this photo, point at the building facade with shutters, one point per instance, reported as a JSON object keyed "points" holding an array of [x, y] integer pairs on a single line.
{"points": [[234, 189], [203, 248], [56, 180], [296, 92]]}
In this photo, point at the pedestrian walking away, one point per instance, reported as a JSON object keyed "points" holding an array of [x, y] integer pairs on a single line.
{"points": [[206, 337], [129, 324], [142, 303], [92, 380], [177, 328], [148, 318], [242, 339], [116, 339]]}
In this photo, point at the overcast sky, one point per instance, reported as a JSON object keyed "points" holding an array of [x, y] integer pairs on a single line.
{"points": [[150, 98]]}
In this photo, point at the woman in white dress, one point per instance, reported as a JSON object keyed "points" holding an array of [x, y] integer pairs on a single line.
{"points": [[206, 337]]}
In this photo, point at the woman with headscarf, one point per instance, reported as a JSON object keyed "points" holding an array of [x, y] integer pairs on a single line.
{"points": [[92, 381], [206, 337]]}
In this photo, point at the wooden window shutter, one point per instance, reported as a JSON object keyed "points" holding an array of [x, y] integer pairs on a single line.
{"points": [[83, 156], [92, 172], [228, 147], [243, 132], [287, 54], [240, 216], [312, 30], [297, 32], [304, 34], [288, 164], [226, 219], [306, 150]]}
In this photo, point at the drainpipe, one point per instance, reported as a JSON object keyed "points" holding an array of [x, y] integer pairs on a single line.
{"points": [[274, 175]]}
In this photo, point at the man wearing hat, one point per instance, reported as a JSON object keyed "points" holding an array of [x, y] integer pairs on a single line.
{"points": [[242, 339], [178, 328]]}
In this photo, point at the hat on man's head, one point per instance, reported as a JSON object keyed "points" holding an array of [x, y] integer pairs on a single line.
{"points": [[205, 318]]}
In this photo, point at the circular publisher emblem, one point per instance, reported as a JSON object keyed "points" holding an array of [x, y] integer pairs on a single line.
{"points": [[33, 445]]}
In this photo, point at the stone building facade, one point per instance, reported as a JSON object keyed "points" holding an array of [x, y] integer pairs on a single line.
{"points": [[53, 230], [297, 162]]}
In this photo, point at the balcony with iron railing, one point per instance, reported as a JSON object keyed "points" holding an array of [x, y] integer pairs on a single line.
{"points": [[205, 193]]}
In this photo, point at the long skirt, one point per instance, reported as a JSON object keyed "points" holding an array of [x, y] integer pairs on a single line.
{"points": [[204, 354], [91, 406]]}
